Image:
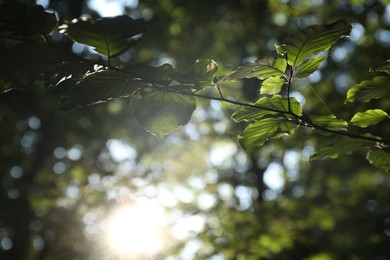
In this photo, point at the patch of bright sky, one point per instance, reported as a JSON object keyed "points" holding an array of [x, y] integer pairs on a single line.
{"points": [[245, 195], [196, 182], [191, 131], [166, 197], [341, 83], [107, 8], [16, 172], [191, 248], [386, 15], [75, 153], [315, 77], [291, 161], [225, 191], [44, 3], [273, 176], [308, 151], [119, 151], [206, 201], [383, 36], [183, 194], [185, 227], [221, 153], [301, 99], [339, 54], [357, 32]]}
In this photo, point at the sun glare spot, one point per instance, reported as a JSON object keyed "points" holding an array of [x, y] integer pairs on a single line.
{"points": [[137, 229]]}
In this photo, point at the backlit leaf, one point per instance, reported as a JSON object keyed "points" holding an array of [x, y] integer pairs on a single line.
{"points": [[109, 36], [343, 145], [161, 112], [369, 117], [308, 67], [273, 105], [366, 90], [278, 103], [256, 134], [311, 41], [99, 87], [204, 70], [249, 114], [262, 69], [330, 122], [379, 158], [383, 66], [272, 85]]}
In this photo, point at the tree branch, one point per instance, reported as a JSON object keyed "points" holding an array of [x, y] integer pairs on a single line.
{"points": [[301, 120]]}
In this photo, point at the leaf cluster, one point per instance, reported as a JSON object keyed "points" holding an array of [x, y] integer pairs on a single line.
{"points": [[163, 98]]}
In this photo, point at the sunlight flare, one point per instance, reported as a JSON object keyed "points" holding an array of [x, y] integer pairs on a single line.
{"points": [[137, 229]]}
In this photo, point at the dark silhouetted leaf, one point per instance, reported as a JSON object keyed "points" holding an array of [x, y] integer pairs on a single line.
{"points": [[76, 69], [311, 41], [308, 67], [109, 36], [256, 134], [98, 87], [272, 85], [161, 112], [366, 90], [262, 69], [162, 75], [379, 158], [26, 63], [21, 19], [369, 117]]}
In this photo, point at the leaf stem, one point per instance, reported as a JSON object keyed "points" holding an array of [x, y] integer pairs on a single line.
{"points": [[289, 83]]}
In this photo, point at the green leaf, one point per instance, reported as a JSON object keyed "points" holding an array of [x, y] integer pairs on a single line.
{"points": [[272, 85], [98, 87], [161, 112], [26, 63], [379, 158], [248, 114], [343, 146], [308, 67], [204, 70], [273, 105], [258, 133], [330, 122], [262, 69], [383, 66], [109, 36], [73, 68], [369, 117], [162, 75], [366, 90], [311, 41], [21, 19], [278, 103]]}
